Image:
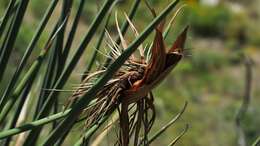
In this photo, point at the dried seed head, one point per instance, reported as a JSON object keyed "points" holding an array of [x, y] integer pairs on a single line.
{"points": [[132, 85]]}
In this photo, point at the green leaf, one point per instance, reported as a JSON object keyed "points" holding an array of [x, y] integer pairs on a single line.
{"points": [[6, 16], [9, 45], [30, 75], [32, 125], [70, 67], [91, 131], [256, 142], [158, 133], [28, 52], [72, 31], [13, 119]]}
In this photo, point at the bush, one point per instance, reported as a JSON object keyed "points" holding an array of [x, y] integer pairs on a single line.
{"points": [[209, 21]]}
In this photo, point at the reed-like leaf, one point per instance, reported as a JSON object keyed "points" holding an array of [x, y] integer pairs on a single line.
{"points": [[66, 9], [70, 67], [6, 17], [33, 125], [37, 123], [13, 119], [48, 77], [5, 39], [57, 62], [85, 139], [31, 46], [8, 47], [158, 133], [30, 75], [13, 98], [179, 136], [72, 32], [256, 142]]}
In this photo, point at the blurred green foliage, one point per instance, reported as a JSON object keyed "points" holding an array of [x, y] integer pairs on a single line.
{"points": [[210, 21]]}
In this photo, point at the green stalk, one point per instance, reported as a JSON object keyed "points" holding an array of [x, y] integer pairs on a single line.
{"points": [[65, 75], [15, 116], [57, 61], [5, 39], [179, 136], [256, 142], [32, 125], [72, 32], [30, 75], [6, 16], [37, 123], [91, 131], [13, 98], [47, 81], [70, 67], [67, 48], [8, 47], [85, 100], [158, 133], [28, 52], [66, 9]]}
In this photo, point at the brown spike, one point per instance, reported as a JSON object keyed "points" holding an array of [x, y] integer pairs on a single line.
{"points": [[158, 58], [180, 41]]}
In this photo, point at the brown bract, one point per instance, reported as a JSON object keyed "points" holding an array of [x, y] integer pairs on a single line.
{"points": [[159, 66], [129, 91]]}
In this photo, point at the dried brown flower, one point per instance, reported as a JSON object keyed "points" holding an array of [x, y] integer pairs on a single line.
{"points": [[129, 91]]}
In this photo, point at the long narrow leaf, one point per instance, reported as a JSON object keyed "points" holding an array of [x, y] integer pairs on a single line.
{"points": [[65, 75], [28, 52], [3, 49], [32, 125], [6, 16], [48, 76], [66, 9], [90, 131], [15, 116], [12, 37], [72, 32], [158, 133], [179, 136], [256, 142], [70, 67], [27, 77]]}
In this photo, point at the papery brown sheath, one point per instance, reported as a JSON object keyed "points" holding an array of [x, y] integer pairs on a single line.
{"points": [[159, 66]]}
